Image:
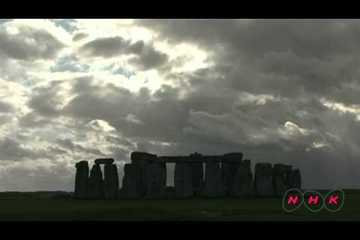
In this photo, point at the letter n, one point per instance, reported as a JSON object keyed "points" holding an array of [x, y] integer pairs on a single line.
{"points": [[293, 200]]}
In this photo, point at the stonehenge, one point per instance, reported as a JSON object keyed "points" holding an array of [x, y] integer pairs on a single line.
{"points": [[195, 175]]}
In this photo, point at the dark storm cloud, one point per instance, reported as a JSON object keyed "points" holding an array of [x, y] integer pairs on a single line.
{"points": [[169, 119], [308, 59], [277, 55], [306, 38], [79, 36], [103, 101], [119, 141], [38, 178], [45, 100], [29, 44], [70, 145], [146, 56], [106, 47], [6, 107], [164, 117], [10, 149], [32, 119]]}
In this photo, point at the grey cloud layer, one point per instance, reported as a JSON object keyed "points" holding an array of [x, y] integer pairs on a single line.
{"points": [[29, 44], [262, 96], [146, 55], [307, 55]]}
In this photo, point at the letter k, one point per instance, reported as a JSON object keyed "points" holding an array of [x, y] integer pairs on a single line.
{"points": [[333, 200]]}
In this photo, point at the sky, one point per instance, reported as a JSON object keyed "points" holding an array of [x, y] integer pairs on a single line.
{"points": [[280, 91]]}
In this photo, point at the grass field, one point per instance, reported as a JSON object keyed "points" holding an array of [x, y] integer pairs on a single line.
{"points": [[39, 207]]}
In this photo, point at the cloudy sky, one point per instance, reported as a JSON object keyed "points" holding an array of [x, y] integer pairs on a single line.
{"points": [[276, 90]]}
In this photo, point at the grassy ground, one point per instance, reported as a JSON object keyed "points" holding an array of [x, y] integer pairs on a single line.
{"points": [[22, 207]]}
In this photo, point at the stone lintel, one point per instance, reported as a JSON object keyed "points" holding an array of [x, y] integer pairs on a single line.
{"points": [[202, 158], [104, 161]]}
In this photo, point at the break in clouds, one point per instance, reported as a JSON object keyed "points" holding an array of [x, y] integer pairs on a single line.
{"points": [[276, 90]]}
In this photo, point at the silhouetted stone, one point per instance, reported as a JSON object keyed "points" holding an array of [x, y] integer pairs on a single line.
{"points": [[183, 180], [104, 161], [155, 179], [243, 185], [170, 192], [111, 181], [131, 185], [197, 172], [142, 156], [263, 180], [213, 186], [142, 161], [142, 165], [295, 179], [81, 180], [280, 177], [288, 170], [96, 183], [230, 165], [146, 177], [235, 157]]}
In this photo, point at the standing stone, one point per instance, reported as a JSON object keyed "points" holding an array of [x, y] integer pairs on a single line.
{"points": [[263, 180], [230, 165], [295, 179], [213, 180], [243, 185], [81, 180], [183, 180], [155, 181], [131, 185], [142, 160], [280, 177], [163, 175], [142, 171], [288, 170], [96, 183], [111, 181], [197, 172]]}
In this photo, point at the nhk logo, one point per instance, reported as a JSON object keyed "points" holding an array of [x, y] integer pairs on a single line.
{"points": [[314, 201]]}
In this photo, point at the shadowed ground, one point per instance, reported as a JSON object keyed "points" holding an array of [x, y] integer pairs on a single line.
{"points": [[38, 206]]}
